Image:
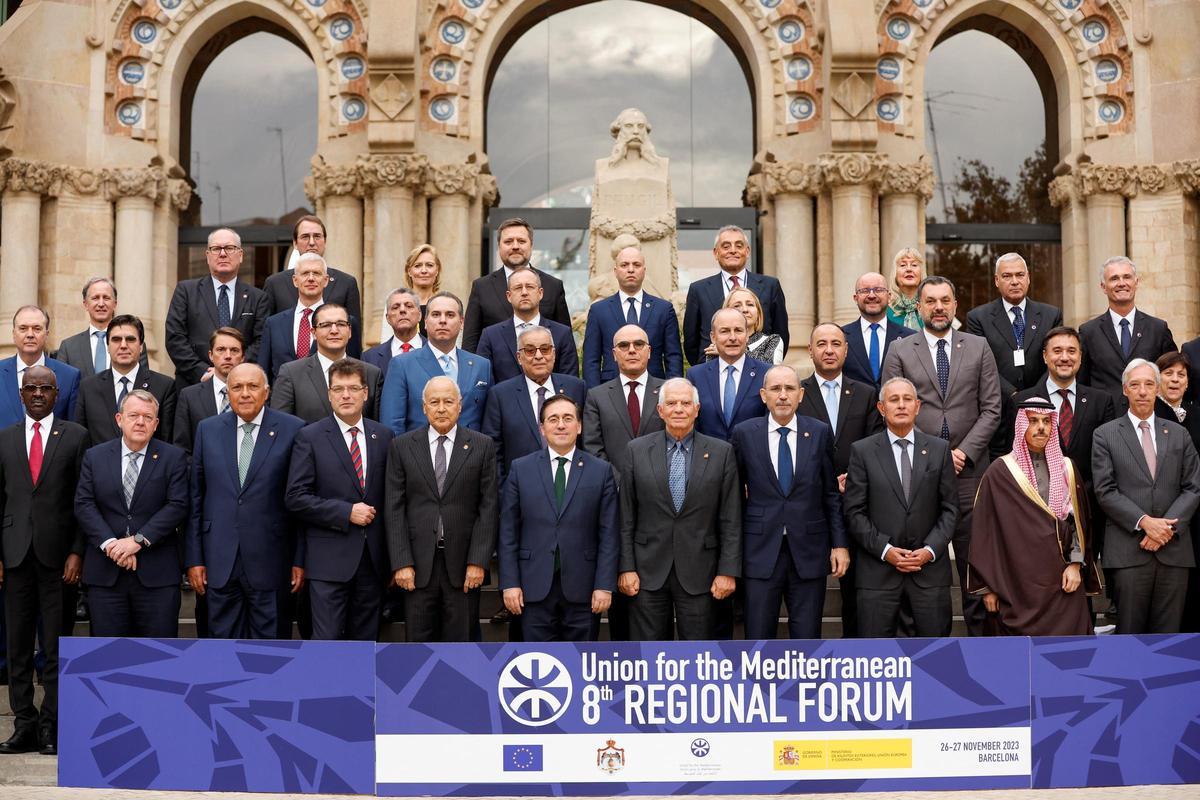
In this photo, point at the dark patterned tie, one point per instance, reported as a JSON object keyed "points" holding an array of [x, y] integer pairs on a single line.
{"points": [[631, 317], [1066, 419], [356, 459], [223, 315], [1126, 341], [1018, 327], [635, 411], [304, 334], [943, 373]]}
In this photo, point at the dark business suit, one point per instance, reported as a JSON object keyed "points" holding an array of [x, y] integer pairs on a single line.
{"points": [[79, 351], [705, 298], [1191, 349], [381, 355], [1103, 359], [302, 390], [241, 532], [488, 304], [142, 602], [12, 410], [39, 531], [1150, 587], [1190, 423], [709, 380], [498, 344], [346, 565], [858, 358], [787, 537], [510, 421], [400, 405], [607, 316], [342, 289], [467, 508], [278, 345], [96, 406], [558, 556], [192, 317], [607, 428], [995, 324], [194, 404], [677, 554], [878, 514]]}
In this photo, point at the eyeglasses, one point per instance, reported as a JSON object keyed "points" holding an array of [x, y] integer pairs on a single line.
{"points": [[531, 351], [341, 390], [555, 419], [222, 249], [639, 344], [135, 417], [39, 388], [337, 323], [872, 290]]}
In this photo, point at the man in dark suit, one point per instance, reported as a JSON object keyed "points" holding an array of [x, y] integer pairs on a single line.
{"points": [[630, 305], [201, 305], [131, 501], [302, 388], [498, 343], [1147, 479], [558, 561], [101, 394], [42, 549], [869, 337], [288, 334], [308, 236], [1120, 334], [514, 406], [211, 397], [793, 534], [901, 508], [336, 490], [401, 407], [681, 523], [959, 387], [87, 351], [728, 384], [404, 317], [488, 301], [612, 418], [31, 325], [731, 251], [441, 514], [850, 409], [241, 549]]}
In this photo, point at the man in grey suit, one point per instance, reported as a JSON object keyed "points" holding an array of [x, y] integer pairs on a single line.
{"points": [[302, 388], [901, 507], [958, 385], [611, 420], [681, 523], [87, 351], [1146, 476]]}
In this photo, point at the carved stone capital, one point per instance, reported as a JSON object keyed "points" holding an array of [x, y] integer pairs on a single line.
{"points": [[1152, 178], [84, 181], [489, 191], [1106, 179], [38, 177], [752, 195], [853, 169], [1063, 190], [794, 177], [452, 179], [1187, 173], [329, 180], [148, 182], [180, 193], [915, 178], [406, 170]]}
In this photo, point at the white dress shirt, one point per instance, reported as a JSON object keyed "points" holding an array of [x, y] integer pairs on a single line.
{"points": [[569, 456], [912, 448], [131, 375], [1135, 421], [518, 322], [864, 325], [398, 346], [533, 387], [257, 422], [1008, 307], [232, 284], [46, 423], [218, 386], [433, 437], [727, 280], [773, 441], [141, 463], [325, 365], [41, 362], [299, 315], [639, 390], [637, 299], [1116, 318], [362, 444], [438, 354], [932, 342], [1053, 389], [739, 367], [837, 383]]}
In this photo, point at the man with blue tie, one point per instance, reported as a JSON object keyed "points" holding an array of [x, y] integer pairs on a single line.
{"points": [[558, 561], [869, 337], [728, 384], [403, 312], [400, 405], [498, 343], [793, 534], [240, 548], [87, 351], [630, 305]]}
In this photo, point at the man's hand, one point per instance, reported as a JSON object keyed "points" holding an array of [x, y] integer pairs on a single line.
{"points": [[896, 557], [362, 514], [839, 561], [601, 601], [121, 549], [297, 579], [473, 579], [197, 579], [1071, 578], [723, 586], [405, 578], [514, 601], [991, 601], [1149, 544], [628, 583], [960, 460], [842, 482], [72, 569], [207, 376], [1158, 529]]}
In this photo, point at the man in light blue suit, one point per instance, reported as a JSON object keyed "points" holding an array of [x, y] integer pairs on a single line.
{"points": [[400, 404], [729, 384], [31, 326], [631, 306]]}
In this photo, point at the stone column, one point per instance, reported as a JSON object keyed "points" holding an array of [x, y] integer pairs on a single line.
{"points": [[1078, 279], [23, 184], [853, 179], [791, 186], [1163, 243], [337, 190], [452, 187], [905, 190], [135, 192], [391, 180], [172, 202], [1104, 188]]}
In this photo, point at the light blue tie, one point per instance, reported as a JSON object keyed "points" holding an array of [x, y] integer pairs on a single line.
{"points": [[873, 353], [100, 360], [831, 402], [450, 368], [677, 476], [729, 398]]}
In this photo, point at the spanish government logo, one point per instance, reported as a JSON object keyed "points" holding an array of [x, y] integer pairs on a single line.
{"points": [[610, 758], [534, 689]]}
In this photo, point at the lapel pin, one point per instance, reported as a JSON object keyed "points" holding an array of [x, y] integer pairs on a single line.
{"points": [[1083, 399], [154, 457], [846, 392], [923, 452], [54, 433], [1033, 327], [751, 373], [466, 447], [580, 464], [270, 433], [373, 436], [806, 434], [1164, 430], [706, 455]]}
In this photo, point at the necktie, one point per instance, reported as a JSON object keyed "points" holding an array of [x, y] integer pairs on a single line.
{"points": [[729, 398], [541, 393], [873, 353], [245, 452], [560, 481], [1066, 419], [304, 334], [677, 476], [733, 282], [35, 453], [943, 373], [223, 314], [450, 368], [129, 480], [439, 463], [356, 458], [224, 400], [785, 462], [124, 391], [831, 402], [635, 410], [1126, 341], [1148, 447], [404, 348], [100, 360], [905, 467], [631, 317], [1019, 327]]}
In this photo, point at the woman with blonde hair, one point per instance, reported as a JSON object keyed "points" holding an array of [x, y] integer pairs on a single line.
{"points": [[423, 274], [768, 349], [909, 266]]}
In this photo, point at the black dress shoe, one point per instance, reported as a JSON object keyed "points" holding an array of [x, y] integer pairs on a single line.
{"points": [[82, 612], [48, 738], [22, 741], [501, 617]]}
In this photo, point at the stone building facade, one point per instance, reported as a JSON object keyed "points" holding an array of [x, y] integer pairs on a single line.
{"points": [[92, 95]]}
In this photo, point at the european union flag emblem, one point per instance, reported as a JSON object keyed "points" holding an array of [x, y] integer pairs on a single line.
{"points": [[522, 758]]}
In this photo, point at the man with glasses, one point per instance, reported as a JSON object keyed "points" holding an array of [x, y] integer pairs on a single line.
{"points": [[869, 337], [622, 409], [201, 305], [302, 388], [87, 351], [308, 236], [498, 344]]}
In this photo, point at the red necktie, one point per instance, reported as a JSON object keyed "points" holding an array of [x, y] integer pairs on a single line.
{"points": [[1066, 418], [304, 335], [35, 453], [635, 411], [404, 348], [356, 458], [733, 280]]}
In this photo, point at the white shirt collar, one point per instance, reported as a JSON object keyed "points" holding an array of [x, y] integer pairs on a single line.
{"points": [[1052, 387], [453, 352], [125, 451], [773, 425], [738, 365], [93, 330], [1116, 318], [1008, 307], [932, 340], [325, 365], [346, 428], [450, 434], [836, 379], [218, 284], [910, 438], [740, 274], [638, 298], [533, 387], [1133, 419], [535, 322], [41, 362], [865, 324], [641, 380], [398, 344], [300, 306], [257, 421], [570, 457], [47, 422], [132, 374]]}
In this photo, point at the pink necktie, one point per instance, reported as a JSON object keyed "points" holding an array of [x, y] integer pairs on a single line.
{"points": [[1148, 447], [35, 453]]}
